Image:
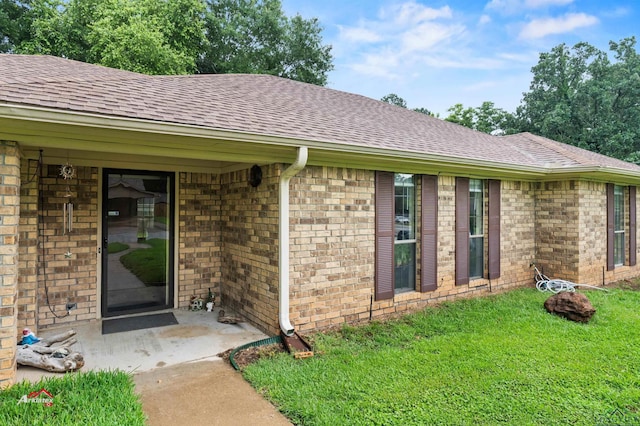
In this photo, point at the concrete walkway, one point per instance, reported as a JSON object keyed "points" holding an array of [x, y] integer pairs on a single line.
{"points": [[203, 393], [125, 289]]}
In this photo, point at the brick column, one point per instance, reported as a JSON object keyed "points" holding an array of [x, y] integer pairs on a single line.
{"points": [[9, 218]]}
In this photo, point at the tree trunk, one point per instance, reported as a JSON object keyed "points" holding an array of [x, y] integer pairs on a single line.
{"points": [[58, 359]]}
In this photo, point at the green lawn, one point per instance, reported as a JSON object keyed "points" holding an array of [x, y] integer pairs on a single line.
{"points": [[495, 360], [117, 247], [148, 264], [91, 398]]}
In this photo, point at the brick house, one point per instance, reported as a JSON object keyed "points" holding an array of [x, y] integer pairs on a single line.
{"points": [[300, 206]]}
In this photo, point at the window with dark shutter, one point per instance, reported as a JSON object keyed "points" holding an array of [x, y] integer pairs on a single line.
{"points": [[632, 225], [384, 236], [610, 227], [462, 231], [429, 240], [494, 229]]}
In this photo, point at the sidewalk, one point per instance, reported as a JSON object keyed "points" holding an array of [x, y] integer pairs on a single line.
{"points": [[203, 393]]}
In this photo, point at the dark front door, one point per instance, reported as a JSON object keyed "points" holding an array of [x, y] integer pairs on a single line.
{"points": [[137, 241]]}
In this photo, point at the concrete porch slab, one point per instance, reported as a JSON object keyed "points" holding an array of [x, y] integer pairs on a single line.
{"points": [[198, 336]]}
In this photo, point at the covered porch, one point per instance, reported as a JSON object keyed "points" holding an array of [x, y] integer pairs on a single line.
{"points": [[224, 225], [198, 336]]}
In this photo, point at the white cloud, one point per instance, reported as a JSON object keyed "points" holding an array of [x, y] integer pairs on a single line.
{"points": [[428, 36], [358, 35], [412, 13], [484, 20], [399, 38], [530, 57], [539, 28], [618, 12], [378, 65], [536, 4], [463, 62], [516, 6]]}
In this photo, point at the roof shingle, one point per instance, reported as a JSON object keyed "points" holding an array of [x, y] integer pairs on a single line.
{"points": [[273, 106]]}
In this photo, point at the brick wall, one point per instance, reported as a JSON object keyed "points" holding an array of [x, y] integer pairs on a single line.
{"points": [[9, 218], [199, 255], [249, 222], [67, 261], [593, 232], [517, 228], [332, 248], [28, 247], [557, 224]]}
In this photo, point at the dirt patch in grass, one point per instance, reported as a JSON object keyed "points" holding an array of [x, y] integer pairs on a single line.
{"points": [[633, 285], [252, 354]]}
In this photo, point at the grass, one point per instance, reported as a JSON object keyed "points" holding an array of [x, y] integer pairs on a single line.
{"points": [[148, 264], [496, 360], [116, 247], [91, 398]]}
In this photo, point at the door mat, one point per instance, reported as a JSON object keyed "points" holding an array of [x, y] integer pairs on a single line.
{"points": [[119, 325]]}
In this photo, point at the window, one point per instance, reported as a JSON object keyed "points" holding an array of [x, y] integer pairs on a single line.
{"points": [[397, 234], [621, 226], [404, 253], [476, 228], [471, 223], [618, 225]]}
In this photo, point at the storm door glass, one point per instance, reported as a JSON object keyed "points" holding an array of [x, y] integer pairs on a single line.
{"points": [[137, 249]]}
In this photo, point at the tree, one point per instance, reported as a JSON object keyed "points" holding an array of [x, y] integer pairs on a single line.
{"points": [[460, 115], [423, 111], [12, 28], [486, 118], [149, 36], [580, 97], [394, 99], [489, 119], [170, 37], [254, 36]]}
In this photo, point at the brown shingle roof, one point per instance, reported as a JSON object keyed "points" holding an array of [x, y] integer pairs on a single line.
{"points": [[273, 106]]}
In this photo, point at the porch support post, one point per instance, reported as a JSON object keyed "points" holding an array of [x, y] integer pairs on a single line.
{"points": [[283, 258], [9, 220]]}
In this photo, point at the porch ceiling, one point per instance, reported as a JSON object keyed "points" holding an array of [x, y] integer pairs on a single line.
{"points": [[92, 139]]}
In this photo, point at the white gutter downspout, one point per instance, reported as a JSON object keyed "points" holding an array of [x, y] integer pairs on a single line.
{"points": [[283, 261]]}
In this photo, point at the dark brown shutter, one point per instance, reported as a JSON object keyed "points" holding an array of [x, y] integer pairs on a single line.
{"points": [[384, 235], [632, 225], [494, 229], [462, 231], [429, 238], [610, 227]]}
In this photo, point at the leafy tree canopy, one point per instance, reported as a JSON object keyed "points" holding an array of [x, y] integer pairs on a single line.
{"points": [[486, 118], [581, 97], [396, 100], [170, 37], [254, 36]]}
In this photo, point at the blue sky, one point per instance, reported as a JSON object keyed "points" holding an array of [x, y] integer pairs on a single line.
{"points": [[435, 54]]}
